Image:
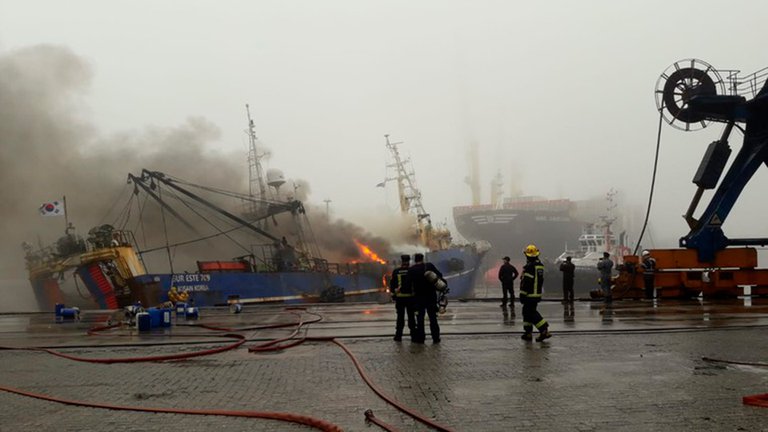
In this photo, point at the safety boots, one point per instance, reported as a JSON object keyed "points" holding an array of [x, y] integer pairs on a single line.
{"points": [[527, 336], [545, 335]]}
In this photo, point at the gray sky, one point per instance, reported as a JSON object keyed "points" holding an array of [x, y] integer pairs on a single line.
{"points": [[558, 94]]}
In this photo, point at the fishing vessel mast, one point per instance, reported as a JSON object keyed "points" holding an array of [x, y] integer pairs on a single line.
{"points": [[410, 200], [257, 186]]}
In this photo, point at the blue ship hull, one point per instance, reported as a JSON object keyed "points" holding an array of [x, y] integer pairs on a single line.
{"points": [[358, 282], [212, 289], [459, 266]]}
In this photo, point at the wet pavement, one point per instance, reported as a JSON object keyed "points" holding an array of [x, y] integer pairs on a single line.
{"points": [[635, 366]]}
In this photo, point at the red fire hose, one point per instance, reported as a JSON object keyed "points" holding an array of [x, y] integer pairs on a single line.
{"points": [[281, 416], [373, 419], [181, 356]]}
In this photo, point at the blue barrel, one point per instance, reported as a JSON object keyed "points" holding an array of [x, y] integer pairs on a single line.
{"points": [[181, 308], [70, 313], [155, 317], [58, 307], [192, 313], [143, 321], [166, 318]]}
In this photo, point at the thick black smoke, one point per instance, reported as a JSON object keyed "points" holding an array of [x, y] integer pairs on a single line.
{"points": [[48, 150]]}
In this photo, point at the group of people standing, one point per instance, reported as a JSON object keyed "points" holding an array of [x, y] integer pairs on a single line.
{"points": [[647, 264], [415, 295]]}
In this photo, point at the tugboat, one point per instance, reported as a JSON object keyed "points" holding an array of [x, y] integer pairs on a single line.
{"points": [[595, 239], [458, 263]]}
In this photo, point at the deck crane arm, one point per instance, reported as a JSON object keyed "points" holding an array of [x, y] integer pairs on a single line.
{"points": [[293, 206]]}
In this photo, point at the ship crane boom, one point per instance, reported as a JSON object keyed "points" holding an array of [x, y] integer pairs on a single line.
{"points": [[149, 176]]}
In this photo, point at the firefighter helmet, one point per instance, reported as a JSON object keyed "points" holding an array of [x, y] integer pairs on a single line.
{"points": [[531, 251], [646, 253]]}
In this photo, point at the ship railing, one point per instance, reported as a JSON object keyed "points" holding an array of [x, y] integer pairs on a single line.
{"points": [[748, 85], [339, 268]]}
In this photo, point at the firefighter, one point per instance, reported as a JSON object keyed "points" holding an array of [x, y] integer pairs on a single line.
{"points": [[402, 294], [507, 275], [531, 284], [425, 298], [649, 272]]}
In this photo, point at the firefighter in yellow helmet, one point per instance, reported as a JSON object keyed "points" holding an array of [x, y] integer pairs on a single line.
{"points": [[531, 284]]}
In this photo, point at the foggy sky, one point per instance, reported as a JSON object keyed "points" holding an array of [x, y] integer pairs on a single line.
{"points": [[558, 95]]}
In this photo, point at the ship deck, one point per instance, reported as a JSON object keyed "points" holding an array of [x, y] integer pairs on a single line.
{"points": [[635, 366]]}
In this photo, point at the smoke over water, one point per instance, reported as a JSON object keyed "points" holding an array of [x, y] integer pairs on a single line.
{"points": [[48, 150]]}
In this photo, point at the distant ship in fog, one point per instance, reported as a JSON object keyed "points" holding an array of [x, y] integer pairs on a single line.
{"points": [[509, 223], [518, 221]]}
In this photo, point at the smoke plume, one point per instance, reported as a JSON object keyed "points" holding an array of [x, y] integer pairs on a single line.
{"points": [[48, 149]]}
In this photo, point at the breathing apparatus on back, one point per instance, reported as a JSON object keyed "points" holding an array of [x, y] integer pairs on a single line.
{"points": [[441, 286]]}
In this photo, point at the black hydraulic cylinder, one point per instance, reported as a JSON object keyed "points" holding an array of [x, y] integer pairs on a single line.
{"points": [[712, 165], [713, 162]]}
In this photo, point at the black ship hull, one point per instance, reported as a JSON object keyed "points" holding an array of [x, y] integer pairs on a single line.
{"points": [[510, 230]]}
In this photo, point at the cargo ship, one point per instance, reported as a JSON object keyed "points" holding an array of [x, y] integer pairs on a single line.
{"points": [[516, 222], [512, 222], [582, 229], [459, 263]]}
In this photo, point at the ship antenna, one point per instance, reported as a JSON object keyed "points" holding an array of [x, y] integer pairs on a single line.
{"points": [[608, 220], [257, 188]]}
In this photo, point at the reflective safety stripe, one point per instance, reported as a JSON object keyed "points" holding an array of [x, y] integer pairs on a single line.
{"points": [[528, 275], [527, 324], [533, 295], [537, 269], [403, 295], [541, 323]]}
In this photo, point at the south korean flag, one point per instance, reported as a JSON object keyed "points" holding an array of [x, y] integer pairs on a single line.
{"points": [[52, 208]]}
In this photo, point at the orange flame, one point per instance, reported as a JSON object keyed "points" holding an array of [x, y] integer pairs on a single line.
{"points": [[365, 250]]}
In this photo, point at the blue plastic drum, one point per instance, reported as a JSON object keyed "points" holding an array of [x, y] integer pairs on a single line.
{"points": [[192, 313], [143, 321], [181, 308]]}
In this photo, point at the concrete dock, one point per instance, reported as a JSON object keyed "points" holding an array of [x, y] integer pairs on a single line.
{"points": [[635, 366]]}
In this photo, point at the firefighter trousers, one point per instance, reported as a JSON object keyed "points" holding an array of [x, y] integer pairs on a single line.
{"points": [[404, 307], [532, 318], [428, 308]]}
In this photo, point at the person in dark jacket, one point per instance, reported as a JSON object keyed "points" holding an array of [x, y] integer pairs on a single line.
{"points": [[402, 292], [507, 275], [568, 269], [425, 298], [605, 266], [649, 274], [531, 284]]}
